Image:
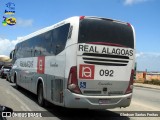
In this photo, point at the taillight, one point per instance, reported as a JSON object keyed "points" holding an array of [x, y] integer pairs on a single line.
{"points": [[130, 86], [129, 24], [81, 17], [72, 81]]}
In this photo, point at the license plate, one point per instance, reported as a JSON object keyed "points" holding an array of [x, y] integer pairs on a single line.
{"points": [[104, 101]]}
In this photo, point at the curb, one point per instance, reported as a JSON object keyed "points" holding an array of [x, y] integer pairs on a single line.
{"points": [[143, 86]]}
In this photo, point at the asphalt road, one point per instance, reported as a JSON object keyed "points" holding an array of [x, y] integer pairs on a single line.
{"points": [[144, 99]]}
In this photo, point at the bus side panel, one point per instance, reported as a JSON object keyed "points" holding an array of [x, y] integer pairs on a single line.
{"points": [[54, 69], [70, 61], [25, 71], [71, 53]]}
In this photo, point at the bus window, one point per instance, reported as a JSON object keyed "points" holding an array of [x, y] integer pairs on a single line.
{"points": [[60, 37], [95, 30]]}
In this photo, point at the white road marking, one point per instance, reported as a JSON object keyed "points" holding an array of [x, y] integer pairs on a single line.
{"points": [[146, 106], [24, 106]]}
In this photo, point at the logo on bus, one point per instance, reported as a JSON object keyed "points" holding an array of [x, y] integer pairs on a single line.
{"points": [[41, 64], [86, 71]]}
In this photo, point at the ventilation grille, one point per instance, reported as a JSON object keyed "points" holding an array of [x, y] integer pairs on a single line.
{"points": [[105, 59]]}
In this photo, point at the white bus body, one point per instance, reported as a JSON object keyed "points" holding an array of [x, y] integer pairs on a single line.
{"points": [[81, 62]]}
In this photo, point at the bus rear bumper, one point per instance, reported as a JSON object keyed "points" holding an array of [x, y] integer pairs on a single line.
{"points": [[73, 100]]}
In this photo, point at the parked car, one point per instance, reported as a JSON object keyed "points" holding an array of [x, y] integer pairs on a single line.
{"points": [[8, 76], [4, 71]]}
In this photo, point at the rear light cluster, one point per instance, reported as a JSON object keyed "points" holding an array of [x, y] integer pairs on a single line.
{"points": [[130, 86], [72, 81], [81, 17], [129, 24]]}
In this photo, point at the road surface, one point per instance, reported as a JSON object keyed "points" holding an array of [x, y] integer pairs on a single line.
{"points": [[144, 99]]}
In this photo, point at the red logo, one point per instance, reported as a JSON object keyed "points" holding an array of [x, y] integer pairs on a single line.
{"points": [[86, 71], [41, 64]]}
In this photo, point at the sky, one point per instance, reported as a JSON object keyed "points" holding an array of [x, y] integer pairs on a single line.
{"points": [[32, 15]]}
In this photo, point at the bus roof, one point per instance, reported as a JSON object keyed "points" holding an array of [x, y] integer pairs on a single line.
{"points": [[38, 32]]}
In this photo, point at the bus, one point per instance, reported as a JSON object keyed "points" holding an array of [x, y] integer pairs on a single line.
{"points": [[81, 62]]}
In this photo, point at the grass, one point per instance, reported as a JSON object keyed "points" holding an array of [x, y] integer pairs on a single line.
{"points": [[154, 82]]}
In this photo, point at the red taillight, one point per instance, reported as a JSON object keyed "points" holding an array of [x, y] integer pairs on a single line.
{"points": [[81, 17], [72, 80], [130, 86], [129, 24]]}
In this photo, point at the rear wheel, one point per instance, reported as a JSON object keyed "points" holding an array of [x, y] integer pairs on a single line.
{"points": [[41, 100], [10, 80], [15, 79], [2, 76]]}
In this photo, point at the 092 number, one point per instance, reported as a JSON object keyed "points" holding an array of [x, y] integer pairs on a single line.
{"points": [[106, 73]]}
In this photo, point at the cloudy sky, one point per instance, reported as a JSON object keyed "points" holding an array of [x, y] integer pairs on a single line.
{"points": [[34, 15]]}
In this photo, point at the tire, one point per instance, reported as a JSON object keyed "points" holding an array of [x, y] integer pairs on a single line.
{"points": [[40, 96], [10, 80], [2, 76], [15, 79]]}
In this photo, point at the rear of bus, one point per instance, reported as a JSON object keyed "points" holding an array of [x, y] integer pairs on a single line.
{"points": [[103, 76]]}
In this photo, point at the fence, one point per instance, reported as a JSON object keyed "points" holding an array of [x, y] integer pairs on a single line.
{"points": [[143, 76]]}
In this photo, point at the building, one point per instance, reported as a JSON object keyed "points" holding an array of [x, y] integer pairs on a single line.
{"points": [[141, 76]]}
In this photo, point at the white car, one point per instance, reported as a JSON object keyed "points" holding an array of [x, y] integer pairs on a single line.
{"points": [[4, 71]]}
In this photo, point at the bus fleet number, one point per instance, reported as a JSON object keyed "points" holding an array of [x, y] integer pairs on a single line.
{"points": [[106, 73]]}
